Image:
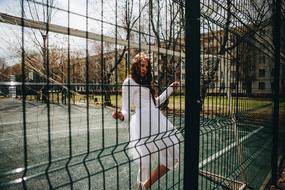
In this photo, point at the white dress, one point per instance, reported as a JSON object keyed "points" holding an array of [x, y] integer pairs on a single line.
{"points": [[153, 139]]}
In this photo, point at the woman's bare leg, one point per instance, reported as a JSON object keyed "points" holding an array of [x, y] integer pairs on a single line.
{"points": [[143, 174], [155, 175]]}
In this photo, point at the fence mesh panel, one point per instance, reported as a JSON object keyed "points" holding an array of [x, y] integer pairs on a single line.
{"points": [[67, 66]]}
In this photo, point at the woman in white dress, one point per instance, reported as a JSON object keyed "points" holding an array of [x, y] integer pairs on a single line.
{"points": [[152, 135]]}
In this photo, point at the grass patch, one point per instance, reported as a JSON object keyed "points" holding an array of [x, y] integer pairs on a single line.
{"points": [[211, 103]]}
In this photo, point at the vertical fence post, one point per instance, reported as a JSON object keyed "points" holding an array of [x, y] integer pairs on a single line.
{"points": [[23, 64], [192, 94], [276, 43]]}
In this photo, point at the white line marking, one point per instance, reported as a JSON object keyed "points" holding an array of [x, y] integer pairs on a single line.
{"points": [[226, 149], [74, 132]]}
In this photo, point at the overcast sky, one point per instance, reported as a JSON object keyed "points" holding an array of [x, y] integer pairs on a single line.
{"points": [[10, 36]]}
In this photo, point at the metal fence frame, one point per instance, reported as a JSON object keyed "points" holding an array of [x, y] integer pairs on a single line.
{"points": [[193, 102]]}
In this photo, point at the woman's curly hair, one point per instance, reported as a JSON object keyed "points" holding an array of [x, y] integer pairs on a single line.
{"points": [[135, 72]]}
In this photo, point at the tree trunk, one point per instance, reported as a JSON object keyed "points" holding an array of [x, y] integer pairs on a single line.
{"points": [[107, 90], [162, 80], [44, 49]]}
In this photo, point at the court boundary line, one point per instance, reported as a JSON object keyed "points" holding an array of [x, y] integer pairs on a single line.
{"points": [[226, 149]]}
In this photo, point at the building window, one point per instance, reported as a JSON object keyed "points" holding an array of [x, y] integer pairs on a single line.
{"points": [[261, 85], [272, 85], [243, 86], [222, 75], [261, 59], [222, 86], [154, 68], [211, 38], [233, 85], [233, 75], [233, 61], [155, 78], [216, 77], [261, 72], [212, 85]]}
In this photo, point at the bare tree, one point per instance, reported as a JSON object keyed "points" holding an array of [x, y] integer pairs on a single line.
{"points": [[41, 11], [3, 77], [242, 23], [168, 33], [111, 55]]}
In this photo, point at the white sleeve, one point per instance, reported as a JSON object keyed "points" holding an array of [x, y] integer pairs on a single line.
{"points": [[161, 99], [126, 101]]}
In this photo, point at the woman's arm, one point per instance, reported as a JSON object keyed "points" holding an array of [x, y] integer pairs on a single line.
{"points": [[124, 113], [126, 99], [161, 99]]}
